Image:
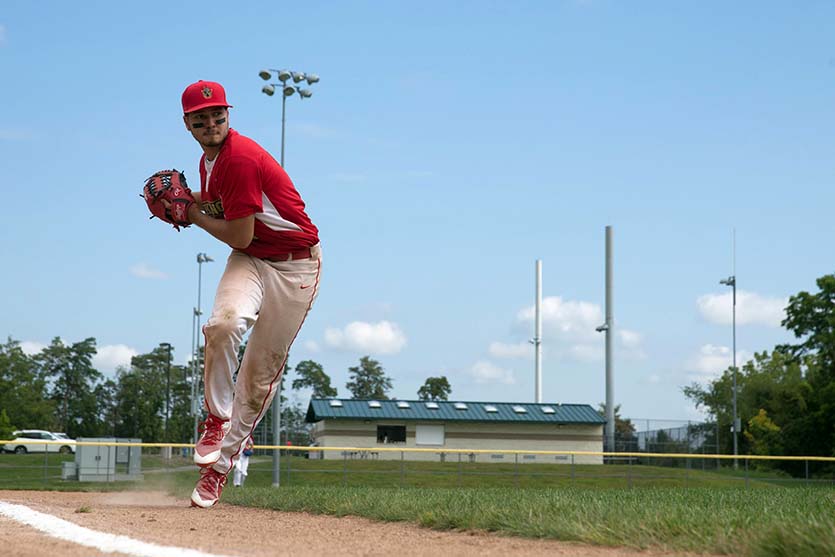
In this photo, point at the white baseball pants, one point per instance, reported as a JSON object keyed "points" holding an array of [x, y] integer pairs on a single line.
{"points": [[273, 299]]}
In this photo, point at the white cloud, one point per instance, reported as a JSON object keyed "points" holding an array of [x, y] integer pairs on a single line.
{"points": [[565, 319], [111, 356], [487, 372], [569, 331], [504, 350], [145, 271], [751, 308], [629, 339], [712, 360], [383, 337], [31, 348], [312, 346]]}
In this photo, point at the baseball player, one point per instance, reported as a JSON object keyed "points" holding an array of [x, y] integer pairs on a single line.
{"points": [[247, 201], [242, 465]]}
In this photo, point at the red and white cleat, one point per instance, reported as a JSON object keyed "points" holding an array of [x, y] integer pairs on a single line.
{"points": [[208, 489], [207, 450]]}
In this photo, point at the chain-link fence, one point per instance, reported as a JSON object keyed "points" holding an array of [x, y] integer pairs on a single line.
{"points": [[144, 464]]}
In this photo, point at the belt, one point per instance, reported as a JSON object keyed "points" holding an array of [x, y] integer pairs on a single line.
{"points": [[292, 256]]}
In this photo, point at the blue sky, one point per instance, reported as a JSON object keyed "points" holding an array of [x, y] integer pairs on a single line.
{"points": [[447, 147]]}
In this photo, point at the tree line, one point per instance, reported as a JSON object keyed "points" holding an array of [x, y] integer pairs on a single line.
{"points": [[785, 397], [59, 389]]}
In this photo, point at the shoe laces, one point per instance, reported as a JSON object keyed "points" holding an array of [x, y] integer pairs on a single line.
{"points": [[212, 429], [214, 478]]}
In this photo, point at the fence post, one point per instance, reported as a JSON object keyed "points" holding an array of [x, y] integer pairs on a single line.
{"points": [[572, 468], [459, 470], [45, 461], [516, 471], [687, 473], [807, 471], [629, 470], [344, 468], [402, 467], [289, 455], [746, 472]]}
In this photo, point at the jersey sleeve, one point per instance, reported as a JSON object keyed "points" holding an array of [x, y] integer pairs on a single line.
{"points": [[240, 189]]}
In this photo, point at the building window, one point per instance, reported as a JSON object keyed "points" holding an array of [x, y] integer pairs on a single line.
{"points": [[391, 434]]}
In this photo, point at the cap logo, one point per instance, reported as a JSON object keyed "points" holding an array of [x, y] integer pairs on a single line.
{"points": [[207, 93]]}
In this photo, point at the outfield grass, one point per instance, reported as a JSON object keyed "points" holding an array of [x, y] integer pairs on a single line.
{"points": [[667, 508], [732, 521]]}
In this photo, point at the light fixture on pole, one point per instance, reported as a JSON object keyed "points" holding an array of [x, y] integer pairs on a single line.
{"points": [[287, 90], [195, 383], [731, 281]]}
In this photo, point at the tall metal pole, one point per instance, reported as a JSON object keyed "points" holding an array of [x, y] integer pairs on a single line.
{"points": [[195, 387], [736, 417], [197, 367], [168, 393], [277, 399], [286, 90], [283, 103], [731, 281], [610, 326], [537, 339]]}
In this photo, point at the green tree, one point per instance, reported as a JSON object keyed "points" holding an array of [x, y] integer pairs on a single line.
{"points": [[6, 426], [368, 380], [811, 318], [24, 389], [181, 421], [295, 429], [73, 378], [763, 435], [774, 382], [311, 375], [435, 388], [624, 429], [140, 397]]}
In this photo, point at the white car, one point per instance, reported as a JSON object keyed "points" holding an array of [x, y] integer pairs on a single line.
{"points": [[23, 442]]}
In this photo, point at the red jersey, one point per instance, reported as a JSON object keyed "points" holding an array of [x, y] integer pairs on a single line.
{"points": [[246, 180]]}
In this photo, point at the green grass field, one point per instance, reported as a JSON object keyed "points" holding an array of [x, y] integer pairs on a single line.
{"points": [[675, 509]]}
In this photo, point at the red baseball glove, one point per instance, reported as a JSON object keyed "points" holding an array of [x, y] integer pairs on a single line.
{"points": [[169, 185]]}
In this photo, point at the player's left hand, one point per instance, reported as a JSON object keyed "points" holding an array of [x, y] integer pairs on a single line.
{"points": [[168, 197]]}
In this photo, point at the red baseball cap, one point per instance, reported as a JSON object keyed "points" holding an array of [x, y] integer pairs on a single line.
{"points": [[203, 94]]}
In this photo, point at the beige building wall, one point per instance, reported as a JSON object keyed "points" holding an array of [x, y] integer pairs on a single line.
{"points": [[462, 435]]}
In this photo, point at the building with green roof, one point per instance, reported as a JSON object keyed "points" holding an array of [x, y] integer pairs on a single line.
{"points": [[416, 424]]}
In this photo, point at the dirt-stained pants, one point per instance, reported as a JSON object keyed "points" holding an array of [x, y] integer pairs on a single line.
{"points": [[272, 298]]}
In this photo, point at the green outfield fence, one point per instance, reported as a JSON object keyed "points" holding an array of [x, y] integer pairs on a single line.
{"points": [[367, 466]]}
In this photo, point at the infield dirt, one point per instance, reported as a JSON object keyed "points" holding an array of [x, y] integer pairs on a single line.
{"points": [[237, 531]]}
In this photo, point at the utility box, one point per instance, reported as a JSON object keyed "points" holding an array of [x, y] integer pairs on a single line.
{"points": [[69, 471], [108, 462]]}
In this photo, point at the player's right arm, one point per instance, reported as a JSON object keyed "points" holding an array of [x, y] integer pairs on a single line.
{"points": [[236, 233]]}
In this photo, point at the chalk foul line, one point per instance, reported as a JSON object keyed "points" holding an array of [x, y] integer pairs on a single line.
{"points": [[65, 530]]}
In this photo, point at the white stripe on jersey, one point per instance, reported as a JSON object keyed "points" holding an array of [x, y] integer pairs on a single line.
{"points": [[272, 218]]}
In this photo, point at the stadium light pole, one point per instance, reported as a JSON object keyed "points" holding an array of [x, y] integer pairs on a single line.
{"points": [[195, 384], [731, 281], [287, 90], [167, 346]]}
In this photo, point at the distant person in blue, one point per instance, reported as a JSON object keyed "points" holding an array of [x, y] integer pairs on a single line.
{"points": [[242, 465]]}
